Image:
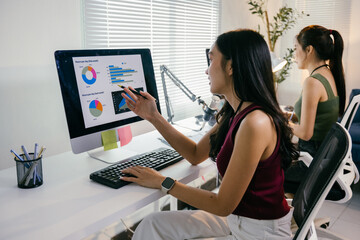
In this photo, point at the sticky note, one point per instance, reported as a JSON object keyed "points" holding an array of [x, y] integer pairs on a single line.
{"points": [[108, 139], [125, 135]]}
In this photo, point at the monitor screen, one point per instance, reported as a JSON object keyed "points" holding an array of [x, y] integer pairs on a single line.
{"points": [[92, 99], [207, 56]]}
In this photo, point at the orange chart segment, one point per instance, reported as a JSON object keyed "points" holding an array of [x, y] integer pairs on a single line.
{"points": [[95, 108], [98, 105]]}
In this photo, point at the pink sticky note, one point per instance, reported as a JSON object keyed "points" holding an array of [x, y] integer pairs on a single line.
{"points": [[125, 135]]}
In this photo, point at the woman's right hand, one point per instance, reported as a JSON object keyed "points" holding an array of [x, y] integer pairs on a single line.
{"points": [[144, 108]]}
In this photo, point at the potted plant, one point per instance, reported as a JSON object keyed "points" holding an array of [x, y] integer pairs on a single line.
{"points": [[282, 21]]}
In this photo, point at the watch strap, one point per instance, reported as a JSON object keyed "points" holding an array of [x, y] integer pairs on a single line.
{"points": [[165, 189]]}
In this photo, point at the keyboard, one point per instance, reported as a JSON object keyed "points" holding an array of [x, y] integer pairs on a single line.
{"points": [[157, 159]]}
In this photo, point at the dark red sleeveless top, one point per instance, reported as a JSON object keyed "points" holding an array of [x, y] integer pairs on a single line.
{"points": [[264, 197]]}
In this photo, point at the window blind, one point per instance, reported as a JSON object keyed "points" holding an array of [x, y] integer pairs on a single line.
{"points": [[176, 32]]}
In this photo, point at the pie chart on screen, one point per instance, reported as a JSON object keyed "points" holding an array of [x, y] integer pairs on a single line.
{"points": [[96, 108], [89, 75]]}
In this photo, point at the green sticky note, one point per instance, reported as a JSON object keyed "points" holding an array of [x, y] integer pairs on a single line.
{"points": [[108, 139]]}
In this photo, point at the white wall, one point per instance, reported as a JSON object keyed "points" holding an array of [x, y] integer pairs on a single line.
{"points": [[31, 105], [352, 73], [235, 14]]}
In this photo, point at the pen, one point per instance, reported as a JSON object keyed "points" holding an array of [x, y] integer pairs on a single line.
{"points": [[35, 175], [41, 151], [19, 158], [25, 152], [292, 114], [31, 173], [133, 91], [35, 151], [16, 155]]}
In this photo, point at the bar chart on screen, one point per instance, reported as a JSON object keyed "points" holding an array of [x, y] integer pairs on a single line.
{"points": [[121, 74]]}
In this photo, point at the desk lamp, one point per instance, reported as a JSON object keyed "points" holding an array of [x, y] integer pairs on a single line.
{"points": [[209, 111]]}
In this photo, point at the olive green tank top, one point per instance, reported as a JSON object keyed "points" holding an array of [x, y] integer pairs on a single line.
{"points": [[327, 112]]}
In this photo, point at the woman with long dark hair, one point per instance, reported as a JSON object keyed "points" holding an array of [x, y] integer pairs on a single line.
{"points": [[319, 51], [251, 144]]}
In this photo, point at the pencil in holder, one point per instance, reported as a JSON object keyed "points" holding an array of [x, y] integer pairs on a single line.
{"points": [[29, 172]]}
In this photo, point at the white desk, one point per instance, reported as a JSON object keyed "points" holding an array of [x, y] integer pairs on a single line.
{"points": [[69, 205]]}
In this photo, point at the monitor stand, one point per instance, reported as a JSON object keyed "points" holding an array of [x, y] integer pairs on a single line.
{"points": [[111, 156]]}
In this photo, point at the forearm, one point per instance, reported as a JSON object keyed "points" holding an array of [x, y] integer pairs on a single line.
{"points": [[300, 131], [199, 198]]}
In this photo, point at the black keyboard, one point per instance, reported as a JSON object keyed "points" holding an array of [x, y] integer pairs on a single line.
{"points": [[157, 159]]}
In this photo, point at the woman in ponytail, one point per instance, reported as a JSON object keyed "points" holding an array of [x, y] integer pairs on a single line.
{"points": [[319, 51]]}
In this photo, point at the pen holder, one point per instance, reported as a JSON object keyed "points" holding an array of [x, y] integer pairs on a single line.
{"points": [[29, 172]]}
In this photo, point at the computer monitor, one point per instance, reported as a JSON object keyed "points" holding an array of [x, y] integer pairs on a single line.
{"points": [[92, 99], [207, 56]]}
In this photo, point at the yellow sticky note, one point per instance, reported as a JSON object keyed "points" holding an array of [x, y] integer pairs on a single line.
{"points": [[108, 139], [125, 135]]}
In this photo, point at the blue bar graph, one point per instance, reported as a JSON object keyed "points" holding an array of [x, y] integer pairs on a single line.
{"points": [[118, 74]]}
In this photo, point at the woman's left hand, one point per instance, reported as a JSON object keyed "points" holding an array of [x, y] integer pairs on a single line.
{"points": [[144, 176]]}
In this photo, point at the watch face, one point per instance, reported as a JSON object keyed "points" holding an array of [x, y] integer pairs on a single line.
{"points": [[167, 183]]}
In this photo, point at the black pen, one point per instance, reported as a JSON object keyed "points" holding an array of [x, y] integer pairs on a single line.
{"points": [[133, 91]]}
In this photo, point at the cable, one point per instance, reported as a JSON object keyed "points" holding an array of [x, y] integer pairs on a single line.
{"points": [[127, 228], [202, 126], [196, 130]]}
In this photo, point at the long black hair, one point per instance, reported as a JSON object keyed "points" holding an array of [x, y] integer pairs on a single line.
{"points": [[253, 82], [330, 49]]}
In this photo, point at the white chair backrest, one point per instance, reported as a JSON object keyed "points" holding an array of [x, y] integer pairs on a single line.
{"points": [[350, 112], [351, 173]]}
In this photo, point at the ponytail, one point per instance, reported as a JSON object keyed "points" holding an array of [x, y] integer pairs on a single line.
{"points": [[327, 48], [337, 69]]}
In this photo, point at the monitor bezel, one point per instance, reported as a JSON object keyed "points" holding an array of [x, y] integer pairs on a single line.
{"points": [[207, 50], [70, 93]]}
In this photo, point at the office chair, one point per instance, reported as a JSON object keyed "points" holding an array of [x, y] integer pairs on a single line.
{"points": [[324, 169], [350, 173], [354, 131]]}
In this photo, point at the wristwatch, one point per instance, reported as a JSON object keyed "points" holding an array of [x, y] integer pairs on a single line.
{"points": [[167, 185]]}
